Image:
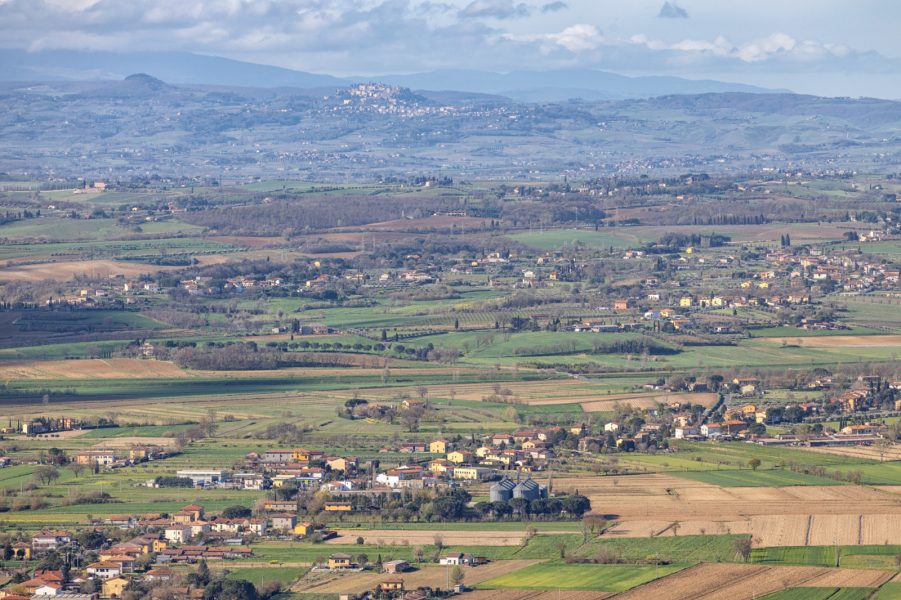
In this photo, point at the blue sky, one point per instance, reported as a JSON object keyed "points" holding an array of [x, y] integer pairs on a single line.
{"points": [[826, 47]]}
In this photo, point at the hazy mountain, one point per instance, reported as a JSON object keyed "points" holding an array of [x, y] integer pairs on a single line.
{"points": [[173, 67], [544, 86], [187, 68]]}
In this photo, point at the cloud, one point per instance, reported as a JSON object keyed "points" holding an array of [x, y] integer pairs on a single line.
{"points": [[576, 39], [671, 10], [496, 9], [552, 7], [775, 45]]}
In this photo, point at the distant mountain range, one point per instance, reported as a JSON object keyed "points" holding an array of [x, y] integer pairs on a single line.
{"points": [[188, 68]]}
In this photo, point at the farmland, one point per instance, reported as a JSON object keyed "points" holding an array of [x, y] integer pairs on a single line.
{"points": [[373, 377]]}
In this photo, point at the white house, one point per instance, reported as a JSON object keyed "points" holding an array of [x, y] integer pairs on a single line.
{"points": [[104, 570], [458, 558], [177, 535]]}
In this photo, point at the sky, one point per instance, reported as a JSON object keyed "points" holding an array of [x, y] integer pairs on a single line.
{"points": [[827, 47]]}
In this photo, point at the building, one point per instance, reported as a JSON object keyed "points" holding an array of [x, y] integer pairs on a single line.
{"points": [[395, 566], [47, 540], [438, 447], [501, 491], [104, 570], [339, 560], [457, 558], [473, 473], [529, 490], [177, 534], [104, 458], [113, 587], [203, 477], [391, 585]]}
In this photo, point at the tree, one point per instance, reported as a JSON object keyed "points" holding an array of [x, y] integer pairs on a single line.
{"points": [[230, 589], [742, 547], [418, 554], [457, 575], [754, 463], [236, 512], [46, 474], [77, 468], [577, 505]]}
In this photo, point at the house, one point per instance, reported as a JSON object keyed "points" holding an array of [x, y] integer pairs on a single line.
{"points": [[104, 570], [277, 456], [194, 510], [333, 506], [103, 458], [49, 589], [438, 447], [623, 304], [113, 587], [395, 566], [457, 558], [860, 430], [341, 463], [280, 506], [303, 529], [746, 385], [339, 560], [47, 540], [391, 585], [459, 457], [711, 429], [685, 431], [22, 551], [177, 534], [500, 439], [284, 521], [159, 574]]}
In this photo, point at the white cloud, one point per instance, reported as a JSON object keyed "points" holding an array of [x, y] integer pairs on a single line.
{"points": [[578, 38]]}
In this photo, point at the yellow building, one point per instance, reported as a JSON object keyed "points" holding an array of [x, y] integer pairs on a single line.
{"points": [[459, 457], [685, 301], [338, 506], [113, 588], [438, 447], [339, 561]]}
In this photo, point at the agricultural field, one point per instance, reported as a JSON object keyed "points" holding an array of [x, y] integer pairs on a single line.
{"points": [[562, 356]]}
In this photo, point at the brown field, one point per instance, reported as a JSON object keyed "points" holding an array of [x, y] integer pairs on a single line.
{"points": [[550, 392], [110, 368], [535, 595], [426, 537], [66, 270], [645, 505], [426, 223], [839, 341], [431, 576], [647, 400], [891, 452], [744, 582]]}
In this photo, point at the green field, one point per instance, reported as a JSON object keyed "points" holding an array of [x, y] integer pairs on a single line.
{"points": [[759, 478], [563, 576]]}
